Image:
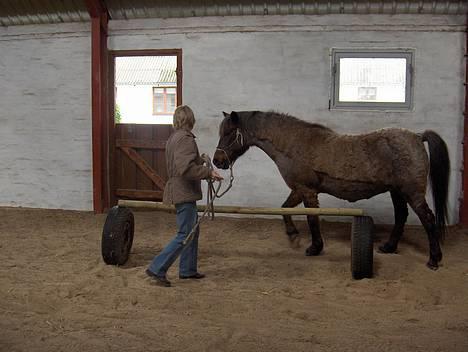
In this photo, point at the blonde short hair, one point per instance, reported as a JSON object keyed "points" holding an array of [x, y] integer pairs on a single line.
{"points": [[183, 118]]}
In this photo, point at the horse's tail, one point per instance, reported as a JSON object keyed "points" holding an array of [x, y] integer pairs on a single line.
{"points": [[439, 176]]}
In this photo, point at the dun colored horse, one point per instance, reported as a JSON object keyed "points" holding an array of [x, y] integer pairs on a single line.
{"points": [[313, 159]]}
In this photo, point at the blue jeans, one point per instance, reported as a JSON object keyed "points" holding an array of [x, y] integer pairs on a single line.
{"points": [[186, 218]]}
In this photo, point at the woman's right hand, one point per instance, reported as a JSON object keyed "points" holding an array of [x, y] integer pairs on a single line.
{"points": [[215, 176]]}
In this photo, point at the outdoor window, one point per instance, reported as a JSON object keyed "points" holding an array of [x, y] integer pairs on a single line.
{"points": [[370, 79], [146, 87], [164, 100]]}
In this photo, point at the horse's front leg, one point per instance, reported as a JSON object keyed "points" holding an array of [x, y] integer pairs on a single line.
{"points": [[293, 199], [310, 200], [401, 214]]}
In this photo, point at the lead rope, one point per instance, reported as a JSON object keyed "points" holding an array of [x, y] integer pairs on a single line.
{"points": [[212, 194]]}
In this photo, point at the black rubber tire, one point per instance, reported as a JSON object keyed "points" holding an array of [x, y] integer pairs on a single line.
{"points": [[117, 236], [362, 247]]}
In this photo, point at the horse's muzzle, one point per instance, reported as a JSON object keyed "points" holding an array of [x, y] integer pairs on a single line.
{"points": [[220, 160]]}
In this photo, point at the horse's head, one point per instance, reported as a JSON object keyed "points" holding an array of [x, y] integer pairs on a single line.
{"points": [[232, 143]]}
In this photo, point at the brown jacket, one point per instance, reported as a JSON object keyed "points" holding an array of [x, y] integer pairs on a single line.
{"points": [[184, 168]]}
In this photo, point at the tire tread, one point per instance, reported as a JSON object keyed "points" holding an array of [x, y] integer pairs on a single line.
{"points": [[362, 247], [113, 247]]}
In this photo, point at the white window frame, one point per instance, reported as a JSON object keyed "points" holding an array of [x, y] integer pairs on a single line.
{"points": [[165, 104], [338, 54]]}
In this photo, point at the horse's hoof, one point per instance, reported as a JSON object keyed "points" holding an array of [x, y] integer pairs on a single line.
{"points": [[292, 231], [387, 248], [432, 265], [295, 241], [314, 250]]}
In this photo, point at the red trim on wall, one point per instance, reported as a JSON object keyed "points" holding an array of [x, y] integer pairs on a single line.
{"points": [[95, 8], [99, 20], [464, 199]]}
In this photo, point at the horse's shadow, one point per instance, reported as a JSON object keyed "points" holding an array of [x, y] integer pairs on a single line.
{"points": [[411, 237], [380, 234], [141, 256]]}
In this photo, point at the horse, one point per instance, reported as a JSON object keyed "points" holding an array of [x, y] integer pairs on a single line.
{"points": [[314, 159]]}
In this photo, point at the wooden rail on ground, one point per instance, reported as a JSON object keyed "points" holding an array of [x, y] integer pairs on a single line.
{"points": [[248, 210]]}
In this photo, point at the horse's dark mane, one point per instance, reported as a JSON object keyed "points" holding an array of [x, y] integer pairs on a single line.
{"points": [[287, 118], [254, 119], [279, 123]]}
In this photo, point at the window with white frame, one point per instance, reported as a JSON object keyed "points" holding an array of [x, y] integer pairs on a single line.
{"points": [[164, 100], [372, 79]]}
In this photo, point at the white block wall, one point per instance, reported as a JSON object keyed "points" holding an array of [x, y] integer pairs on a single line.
{"points": [[229, 63], [45, 116], [283, 63]]}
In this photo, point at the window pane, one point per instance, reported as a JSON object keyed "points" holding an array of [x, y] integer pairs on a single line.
{"points": [[140, 84], [377, 80], [171, 102], [158, 97]]}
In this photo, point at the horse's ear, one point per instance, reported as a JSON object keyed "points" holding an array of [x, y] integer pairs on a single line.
{"points": [[225, 114], [234, 118]]}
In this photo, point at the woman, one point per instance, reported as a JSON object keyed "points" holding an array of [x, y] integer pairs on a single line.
{"points": [[185, 170]]}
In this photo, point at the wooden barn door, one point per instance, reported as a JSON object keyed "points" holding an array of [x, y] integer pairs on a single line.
{"points": [[137, 150], [140, 161]]}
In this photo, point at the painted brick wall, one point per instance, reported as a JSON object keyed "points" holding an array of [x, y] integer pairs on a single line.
{"points": [[283, 63], [231, 63], [45, 117]]}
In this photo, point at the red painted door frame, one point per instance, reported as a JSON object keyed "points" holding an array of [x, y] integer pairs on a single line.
{"points": [[464, 198], [112, 157], [99, 20]]}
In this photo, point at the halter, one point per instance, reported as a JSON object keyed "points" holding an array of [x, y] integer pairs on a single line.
{"points": [[239, 139]]}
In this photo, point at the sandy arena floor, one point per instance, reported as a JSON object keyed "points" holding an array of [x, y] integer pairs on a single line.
{"points": [[56, 294]]}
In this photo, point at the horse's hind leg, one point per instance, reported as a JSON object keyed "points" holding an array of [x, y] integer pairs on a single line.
{"points": [[293, 199], [427, 218], [311, 201], [401, 214]]}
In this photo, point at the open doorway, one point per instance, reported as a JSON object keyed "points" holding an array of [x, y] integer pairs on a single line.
{"points": [[147, 87]]}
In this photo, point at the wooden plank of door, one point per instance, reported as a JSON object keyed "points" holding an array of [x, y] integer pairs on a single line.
{"points": [[141, 143], [139, 194], [161, 133], [144, 166], [126, 169], [144, 132]]}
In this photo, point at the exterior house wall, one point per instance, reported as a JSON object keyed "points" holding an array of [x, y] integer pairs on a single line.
{"points": [[283, 63], [136, 105], [45, 116]]}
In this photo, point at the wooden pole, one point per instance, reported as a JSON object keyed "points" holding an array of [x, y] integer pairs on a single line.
{"points": [[99, 21], [248, 210], [464, 193]]}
